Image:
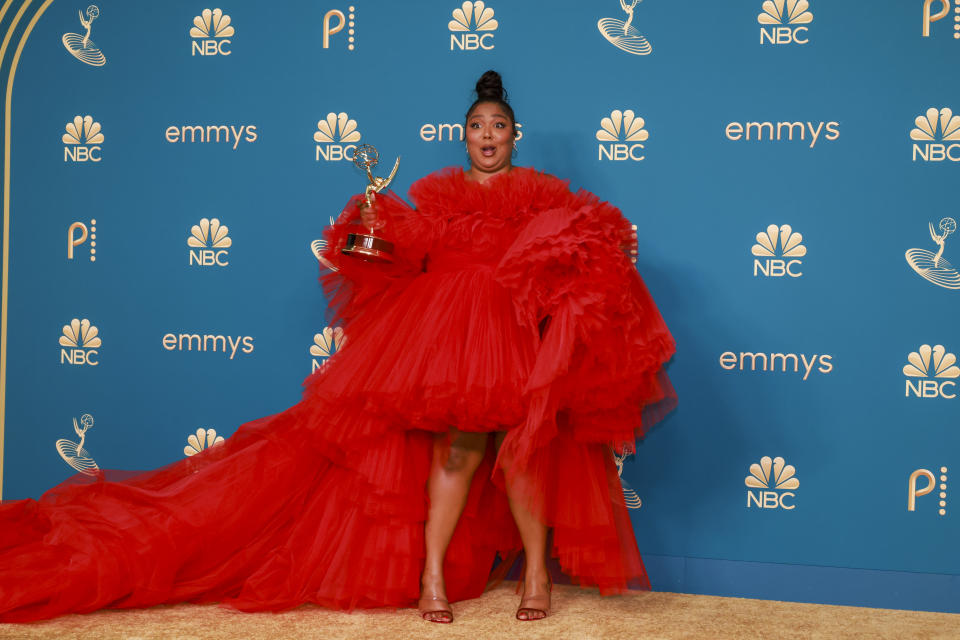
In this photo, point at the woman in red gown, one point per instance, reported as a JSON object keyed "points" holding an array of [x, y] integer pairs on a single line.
{"points": [[488, 373]]}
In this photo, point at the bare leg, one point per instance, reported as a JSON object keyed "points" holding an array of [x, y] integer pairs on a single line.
{"points": [[447, 489], [535, 601]]}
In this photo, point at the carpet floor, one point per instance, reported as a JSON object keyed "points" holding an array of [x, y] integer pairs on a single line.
{"points": [[577, 614]]}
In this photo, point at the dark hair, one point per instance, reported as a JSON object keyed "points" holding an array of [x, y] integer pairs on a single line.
{"points": [[490, 89]]}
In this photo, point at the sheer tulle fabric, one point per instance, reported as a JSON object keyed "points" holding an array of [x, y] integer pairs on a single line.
{"points": [[509, 308]]}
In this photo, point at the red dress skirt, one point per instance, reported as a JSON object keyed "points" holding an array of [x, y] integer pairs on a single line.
{"points": [[510, 307]]}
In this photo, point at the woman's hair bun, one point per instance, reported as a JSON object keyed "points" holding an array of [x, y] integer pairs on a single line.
{"points": [[490, 88]]}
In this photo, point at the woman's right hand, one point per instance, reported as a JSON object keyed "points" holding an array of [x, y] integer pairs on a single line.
{"points": [[368, 216]]}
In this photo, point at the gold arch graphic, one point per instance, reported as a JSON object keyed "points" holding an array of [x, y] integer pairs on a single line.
{"points": [[7, 118]]}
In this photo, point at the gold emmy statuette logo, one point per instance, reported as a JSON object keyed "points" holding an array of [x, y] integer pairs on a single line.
{"points": [[914, 492], [73, 453], [202, 439], [938, 370], [82, 140], [470, 17], [780, 20], [936, 136], [81, 341], [335, 136], [81, 46], [777, 250], [933, 266], [208, 243], [621, 137], [77, 234], [318, 246], [771, 483], [622, 34], [211, 31], [349, 21], [630, 496], [325, 344], [943, 10]]}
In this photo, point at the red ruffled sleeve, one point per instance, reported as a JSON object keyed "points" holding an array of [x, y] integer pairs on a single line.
{"points": [[599, 367], [358, 287]]}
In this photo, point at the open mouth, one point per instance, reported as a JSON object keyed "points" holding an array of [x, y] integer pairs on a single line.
{"points": [[488, 151]]}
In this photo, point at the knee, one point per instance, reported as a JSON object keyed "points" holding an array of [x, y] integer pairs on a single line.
{"points": [[462, 460]]}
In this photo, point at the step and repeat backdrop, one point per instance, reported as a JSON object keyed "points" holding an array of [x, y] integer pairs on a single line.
{"points": [[788, 165]]}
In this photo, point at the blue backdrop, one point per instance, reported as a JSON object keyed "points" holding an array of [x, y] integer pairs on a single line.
{"points": [[787, 164]]}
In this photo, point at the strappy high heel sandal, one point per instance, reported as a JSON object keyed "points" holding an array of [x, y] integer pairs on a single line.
{"points": [[435, 609], [534, 607]]}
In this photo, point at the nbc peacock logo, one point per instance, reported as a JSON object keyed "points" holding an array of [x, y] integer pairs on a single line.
{"points": [[74, 453], [80, 343], [472, 27], [211, 33], [915, 491], [82, 47], [931, 373], [201, 440], [82, 140], [771, 484], [336, 136], [777, 252], [622, 34], [782, 21], [208, 242], [936, 136], [621, 136], [325, 344]]}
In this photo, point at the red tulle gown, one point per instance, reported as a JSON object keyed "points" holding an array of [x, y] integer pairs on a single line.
{"points": [[510, 307]]}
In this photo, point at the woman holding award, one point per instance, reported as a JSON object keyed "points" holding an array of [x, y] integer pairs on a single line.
{"points": [[496, 352]]}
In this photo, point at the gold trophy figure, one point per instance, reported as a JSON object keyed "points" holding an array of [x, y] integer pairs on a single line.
{"points": [[368, 246]]}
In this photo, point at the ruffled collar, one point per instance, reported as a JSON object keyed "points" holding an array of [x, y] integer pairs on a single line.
{"points": [[450, 190]]}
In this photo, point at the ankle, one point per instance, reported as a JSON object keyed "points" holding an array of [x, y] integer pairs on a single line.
{"points": [[432, 583]]}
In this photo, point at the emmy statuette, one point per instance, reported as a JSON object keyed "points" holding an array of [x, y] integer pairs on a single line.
{"points": [[368, 246]]}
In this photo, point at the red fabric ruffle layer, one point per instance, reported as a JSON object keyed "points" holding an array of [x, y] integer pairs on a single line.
{"points": [[510, 307]]}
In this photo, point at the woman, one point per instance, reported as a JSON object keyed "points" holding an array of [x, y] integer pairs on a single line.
{"points": [[509, 309]]}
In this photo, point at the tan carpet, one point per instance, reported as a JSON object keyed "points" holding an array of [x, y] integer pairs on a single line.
{"points": [[577, 615]]}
